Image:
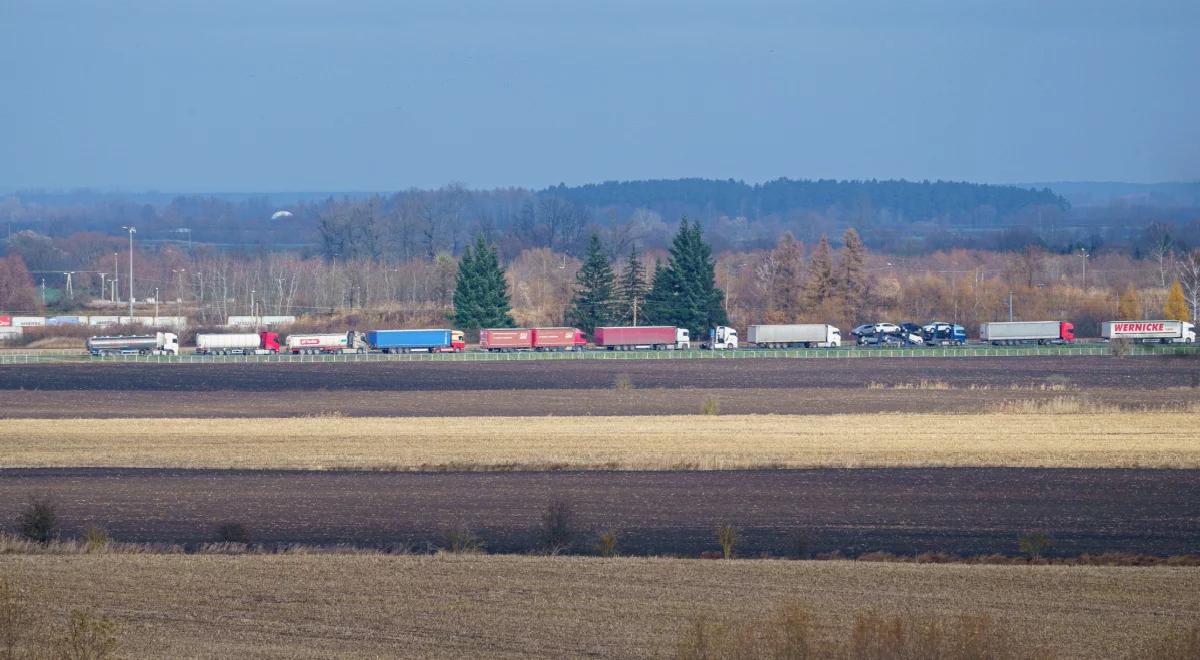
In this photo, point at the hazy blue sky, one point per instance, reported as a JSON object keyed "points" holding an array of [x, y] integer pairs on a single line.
{"points": [[272, 95]]}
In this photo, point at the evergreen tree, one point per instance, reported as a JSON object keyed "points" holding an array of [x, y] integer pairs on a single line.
{"points": [[819, 286], [1129, 307], [852, 271], [787, 281], [685, 292], [1176, 308], [633, 291], [593, 303], [481, 292]]}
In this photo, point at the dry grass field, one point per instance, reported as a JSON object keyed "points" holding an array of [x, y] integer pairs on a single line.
{"points": [[1027, 438], [486, 606]]}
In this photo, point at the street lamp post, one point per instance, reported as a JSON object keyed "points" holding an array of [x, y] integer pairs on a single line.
{"points": [[155, 305], [1083, 256], [131, 229]]}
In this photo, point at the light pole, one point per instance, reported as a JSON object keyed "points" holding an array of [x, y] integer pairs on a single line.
{"points": [[1083, 256], [131, 229], [116, 272], [179, 290], [155, 305]]}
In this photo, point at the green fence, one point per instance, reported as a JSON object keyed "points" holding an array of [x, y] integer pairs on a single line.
{"points": [[476, 356]]}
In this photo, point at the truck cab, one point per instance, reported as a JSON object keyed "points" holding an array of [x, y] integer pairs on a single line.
{"points": [[940, 333], [458, 341], [682, 339], [1066, 332], [268, 342], [721, 337]]}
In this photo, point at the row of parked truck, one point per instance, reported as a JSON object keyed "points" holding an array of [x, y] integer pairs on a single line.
{"points": [[624, 338]]}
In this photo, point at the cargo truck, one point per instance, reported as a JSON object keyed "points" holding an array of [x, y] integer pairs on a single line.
{"points": [[408, 341], [1165, 332], [159, 343], [238, 343], [656, 337], [346, 342], [1027, 332], [803, 335]]}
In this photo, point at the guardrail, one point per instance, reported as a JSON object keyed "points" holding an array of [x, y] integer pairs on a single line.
{"points": [[477, 356]]}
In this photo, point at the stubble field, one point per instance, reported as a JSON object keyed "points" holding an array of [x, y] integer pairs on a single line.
{"points": [[474, 606]]}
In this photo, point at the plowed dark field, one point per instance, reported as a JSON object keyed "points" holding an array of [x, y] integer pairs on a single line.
{"points": [[1135, 373], [964, 511]]}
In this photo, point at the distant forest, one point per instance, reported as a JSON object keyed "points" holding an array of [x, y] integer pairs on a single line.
{"points": [[896, 217]]}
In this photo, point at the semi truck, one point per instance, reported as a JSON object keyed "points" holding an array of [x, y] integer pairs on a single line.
{"points": [[720, 338], [425, 341], [159, 343], [656, 337], [802, 335], [346, 342], [238, 343], [1165, 332], [532, 339], [1027, 332]]}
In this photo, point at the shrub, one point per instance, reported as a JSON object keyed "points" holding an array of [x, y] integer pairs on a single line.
{"points": [[622, 383], [727, 536], [1033, 544], [460, 540], [557, 530], [710, 406], [606, 545], [1119, 347], [88, 638], [233, 532], [38, 521], [798, 545], [95, 539]]}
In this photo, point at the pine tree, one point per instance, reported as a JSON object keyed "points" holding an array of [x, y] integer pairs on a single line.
{"points": [[593, 303], [852, 271], [481, 292], [819, 286], [1176, 308], [1129, 308], [685, 292], [787, 281], [633, 291]]}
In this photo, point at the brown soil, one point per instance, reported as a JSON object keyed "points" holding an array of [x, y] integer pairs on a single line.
{"points": [[956, 510], [54, 404], [1143, 373]]}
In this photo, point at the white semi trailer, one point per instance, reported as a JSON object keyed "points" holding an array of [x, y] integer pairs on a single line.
{"points": [[802, 335], [346, 342], [1165, 332], [159, 343], [1027, 332]]}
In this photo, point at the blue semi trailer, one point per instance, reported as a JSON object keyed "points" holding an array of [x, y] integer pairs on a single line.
{"points": [[407, 341]]}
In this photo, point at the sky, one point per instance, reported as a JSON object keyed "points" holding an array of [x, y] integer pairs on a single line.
{"points": [[303, 95]]}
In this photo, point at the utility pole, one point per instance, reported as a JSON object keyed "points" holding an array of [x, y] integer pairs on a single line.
{"points": [[1010, 318], [131, 229], [1083, 254], [155, 305], [116, 271], [102, 289], [43, 292]]}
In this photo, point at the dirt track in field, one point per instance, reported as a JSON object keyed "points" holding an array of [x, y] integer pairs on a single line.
{"points": [[1134, 373], [966, 511]]}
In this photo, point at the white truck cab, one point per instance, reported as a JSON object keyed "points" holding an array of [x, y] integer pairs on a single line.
{"points": [[722, 337], [682, 340]]}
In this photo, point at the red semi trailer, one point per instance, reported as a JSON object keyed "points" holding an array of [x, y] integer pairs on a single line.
{"points": [[657, 337], [505, 339], [558, 339]]}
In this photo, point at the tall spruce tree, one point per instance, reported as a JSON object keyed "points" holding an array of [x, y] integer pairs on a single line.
{"points": [[593, 304], [481, 292], [633, 291], [787, 281], [852, 271], [685, 292], [820, 284]]}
